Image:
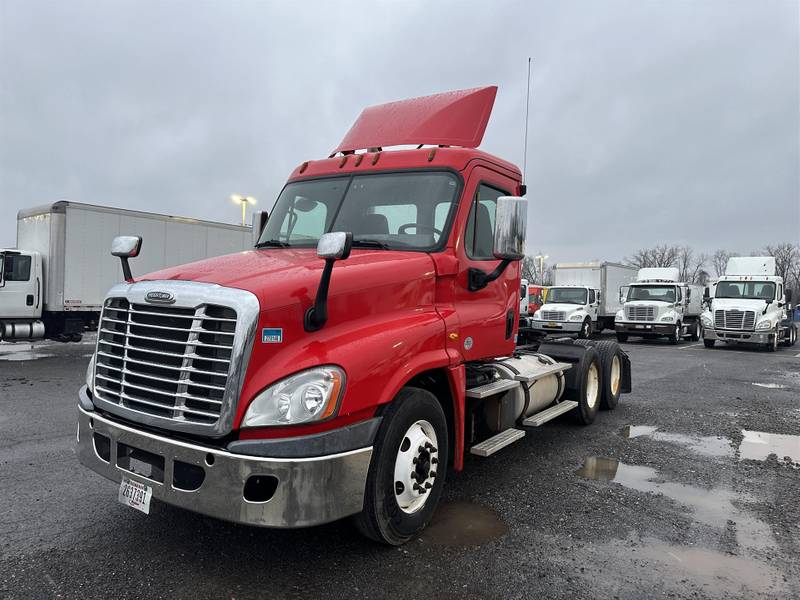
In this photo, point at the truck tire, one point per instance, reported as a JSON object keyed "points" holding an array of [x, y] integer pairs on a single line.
{"points": [[675, 337], [611, 370], [773, 345], [408, 468], [586, 330], [589, 385], [622, 337], [697, 332], [790, 338], [709, 343]]}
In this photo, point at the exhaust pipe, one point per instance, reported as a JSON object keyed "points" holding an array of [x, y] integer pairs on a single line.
{"points": [[30, 330]]}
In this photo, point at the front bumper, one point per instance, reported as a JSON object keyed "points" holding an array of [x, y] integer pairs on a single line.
{"points": [[645, 328], [557, 326], [308, 491], [731, 335]]}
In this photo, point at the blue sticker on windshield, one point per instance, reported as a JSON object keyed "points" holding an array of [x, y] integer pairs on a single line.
{"points": [[272, 335]]}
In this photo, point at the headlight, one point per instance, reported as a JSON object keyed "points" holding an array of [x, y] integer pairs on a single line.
{"points": [[707, 321], [667, 318], [619, 316], [90, 374], [576, 317], [311, 395], [536, 314], [766, 324]]}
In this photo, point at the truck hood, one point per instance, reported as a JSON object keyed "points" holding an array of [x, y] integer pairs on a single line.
{"points": [[739, 304], [567, 308], [283, 276]]}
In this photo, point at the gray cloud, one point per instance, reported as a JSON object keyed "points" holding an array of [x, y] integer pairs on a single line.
{"points": [[651, 122]]}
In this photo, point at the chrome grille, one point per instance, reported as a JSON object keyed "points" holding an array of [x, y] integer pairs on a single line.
{"points": [[165, 361], [553, 315], [640, 313], [743, 320]]}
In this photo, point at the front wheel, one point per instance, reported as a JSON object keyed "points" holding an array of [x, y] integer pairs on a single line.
{"points": [[586, 330], [697, 332], [675, 336], [407, 472], [773, 345]]}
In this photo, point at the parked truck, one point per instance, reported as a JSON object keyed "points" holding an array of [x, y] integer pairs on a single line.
{"points": [[583, 299], [658, 305], [365, 344], [53, 283], [750, 305]]}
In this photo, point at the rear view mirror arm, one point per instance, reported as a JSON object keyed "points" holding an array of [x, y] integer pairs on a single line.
{"points": [[479, 279]]}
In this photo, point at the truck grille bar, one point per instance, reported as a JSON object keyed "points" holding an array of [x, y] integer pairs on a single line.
{"points": [[169, 362], [640, 313], [735, 319], [553, 315]]}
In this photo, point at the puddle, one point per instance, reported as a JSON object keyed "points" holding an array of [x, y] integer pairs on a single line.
{"points": [[17, 356], [706, 445], [758, 445], [463, 524], [713, 507], [772, 386]]}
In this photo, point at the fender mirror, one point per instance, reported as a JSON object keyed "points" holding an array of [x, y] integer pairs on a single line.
{"points": [[787, 294], [510, 225], [125, 247], [260, 218], [331, 247]]}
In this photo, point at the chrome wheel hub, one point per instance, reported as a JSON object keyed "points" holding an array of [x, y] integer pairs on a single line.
{"points": [[415, 466]]}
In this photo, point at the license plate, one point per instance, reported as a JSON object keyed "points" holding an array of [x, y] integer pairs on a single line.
{"points": [[640, 326], [136, 495], [551, 324]]}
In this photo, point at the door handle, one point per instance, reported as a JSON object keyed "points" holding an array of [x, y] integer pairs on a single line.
{"points": [[38, 290]]}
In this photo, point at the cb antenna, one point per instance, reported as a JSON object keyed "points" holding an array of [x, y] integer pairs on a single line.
{"points": [[524, 187]]}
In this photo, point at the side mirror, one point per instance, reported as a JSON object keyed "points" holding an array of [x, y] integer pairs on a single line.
{"points": [[331, 247], [125, 247], [788, 295], [510, 224], [260, 218]]}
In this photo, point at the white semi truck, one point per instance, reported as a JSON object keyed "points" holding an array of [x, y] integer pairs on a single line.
{"points": [[658, 305], [53, 283], [584, 298], [750, 305]]}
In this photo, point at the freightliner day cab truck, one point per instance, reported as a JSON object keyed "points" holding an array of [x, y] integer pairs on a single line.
{"points": [[658, 305], [583, 299], [750, 306], [366, 343], [53, 283]]}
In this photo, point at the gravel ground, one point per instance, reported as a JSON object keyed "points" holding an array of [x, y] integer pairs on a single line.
{"points": [[674, 494]]}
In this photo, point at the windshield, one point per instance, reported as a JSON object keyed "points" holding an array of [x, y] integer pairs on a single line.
{"points": [[749, 290], [395, 211], [566, 296], [657, 293]]}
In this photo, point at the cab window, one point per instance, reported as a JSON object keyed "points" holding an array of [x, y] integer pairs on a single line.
{"points": [[16, 268], [479, 238], [591, 297]]}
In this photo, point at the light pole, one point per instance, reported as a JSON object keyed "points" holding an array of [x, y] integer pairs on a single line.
{"points": [[244, 201], [541, 258]]}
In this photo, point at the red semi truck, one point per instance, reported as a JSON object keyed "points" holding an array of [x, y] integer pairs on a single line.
{"points": [[364, 346]]}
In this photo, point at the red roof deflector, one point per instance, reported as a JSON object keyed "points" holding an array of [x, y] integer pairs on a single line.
{"points": [[455, 118]]}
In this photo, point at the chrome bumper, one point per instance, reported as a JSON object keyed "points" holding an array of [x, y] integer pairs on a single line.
{"points": [[559, 326], [748, 337], [309, 491], [644, 328]]}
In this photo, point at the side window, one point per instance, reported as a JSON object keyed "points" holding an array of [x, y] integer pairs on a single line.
{"points": [[679, 293], [780, 292], [17, 268], [479, 236], [591, 296]]}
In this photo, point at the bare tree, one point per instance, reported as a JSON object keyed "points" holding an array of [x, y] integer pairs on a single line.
{"points": [[719, 260], [536, 272], [658, 256], [786, 258], [691, 267]]}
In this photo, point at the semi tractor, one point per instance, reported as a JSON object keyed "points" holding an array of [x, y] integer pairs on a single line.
{"points": [[584, 298], [53, 283], [362, 348], [750, 305], [658, 305]]}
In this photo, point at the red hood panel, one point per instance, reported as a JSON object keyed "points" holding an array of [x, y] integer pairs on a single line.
{"points": [[282, 276]]}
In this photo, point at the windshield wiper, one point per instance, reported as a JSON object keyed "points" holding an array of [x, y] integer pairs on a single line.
{"points": [[370, 244], [272, 244]]}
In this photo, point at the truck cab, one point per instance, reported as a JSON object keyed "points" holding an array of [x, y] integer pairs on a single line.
{"points": [[568, 309], [365, 343], [750, 305], [20, 294], [658, 305]]}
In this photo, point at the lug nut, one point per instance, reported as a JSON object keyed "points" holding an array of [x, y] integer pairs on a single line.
{"points": [[428, 485], [433, 473], [434, 461]]}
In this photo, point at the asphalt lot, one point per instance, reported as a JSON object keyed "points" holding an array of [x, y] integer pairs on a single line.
{"points": [[674, 494]]}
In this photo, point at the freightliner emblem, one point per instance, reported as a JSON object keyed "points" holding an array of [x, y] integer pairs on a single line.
{"points": [[160, 297]]}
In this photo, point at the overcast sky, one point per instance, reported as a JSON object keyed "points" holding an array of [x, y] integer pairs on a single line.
{"points": [[651, 121]]}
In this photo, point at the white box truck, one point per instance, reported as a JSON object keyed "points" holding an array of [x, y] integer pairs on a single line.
{"points": [[750, 306], [658, 305], [53, 283], [583, 299]]}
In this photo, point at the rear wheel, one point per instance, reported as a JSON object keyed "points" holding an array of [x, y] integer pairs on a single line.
{"points": [[408, 468], [609, 354], [791, 336], [697, 332], [675, 336], [588, 387]]}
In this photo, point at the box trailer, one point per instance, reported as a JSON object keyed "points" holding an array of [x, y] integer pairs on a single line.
{"points": [[584, 298], [53, 283]]}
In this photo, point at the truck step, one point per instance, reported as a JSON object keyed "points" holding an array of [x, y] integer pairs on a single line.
{"points": [[549, 414], [539, 374], [497, 442], [491, 388]]}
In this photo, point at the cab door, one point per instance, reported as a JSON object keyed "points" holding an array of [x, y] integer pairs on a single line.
{"points": [[20, 286], [593, 304], [488, 318]]}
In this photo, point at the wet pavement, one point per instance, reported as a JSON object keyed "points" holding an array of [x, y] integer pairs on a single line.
{"points": [[689, 489]]}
